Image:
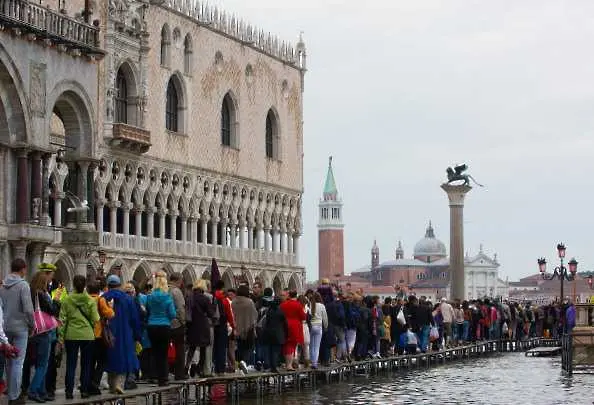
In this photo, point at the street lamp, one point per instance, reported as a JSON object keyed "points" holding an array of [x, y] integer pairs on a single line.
{"points": [[561, 272]]}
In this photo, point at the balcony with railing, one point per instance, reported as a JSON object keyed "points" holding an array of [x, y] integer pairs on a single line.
{"points": [[131, 138], [52, 27], [144, 244]]}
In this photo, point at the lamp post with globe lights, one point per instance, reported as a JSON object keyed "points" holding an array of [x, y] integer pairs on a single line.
{"points": [[561, 272]]}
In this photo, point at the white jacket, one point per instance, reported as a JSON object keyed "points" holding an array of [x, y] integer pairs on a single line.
{"points": [[447, 312], [321, 317]]}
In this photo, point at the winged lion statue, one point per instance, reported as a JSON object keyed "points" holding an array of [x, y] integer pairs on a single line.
{"points": [[457, 174]]}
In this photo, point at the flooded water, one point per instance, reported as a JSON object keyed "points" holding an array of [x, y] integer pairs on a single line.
{"points": [[501, 379]]}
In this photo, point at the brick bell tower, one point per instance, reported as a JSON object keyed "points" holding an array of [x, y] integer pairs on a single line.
{"points": [[330, 230]]}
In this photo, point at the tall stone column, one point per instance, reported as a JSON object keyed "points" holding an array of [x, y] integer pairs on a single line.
{"points": [[45, 191], [233, 234], [58, 208], [250, 235], [267, 239], [150, 223], [241, 234], [91, 193], [36, 184], [456, 195], [83, 187], [22, 197]]}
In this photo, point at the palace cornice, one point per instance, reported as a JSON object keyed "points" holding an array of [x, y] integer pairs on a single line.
{"points": [[209, 26]]}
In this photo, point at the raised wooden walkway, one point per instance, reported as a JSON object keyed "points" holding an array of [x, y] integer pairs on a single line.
{"points": [[544, 351], [203, 390]]}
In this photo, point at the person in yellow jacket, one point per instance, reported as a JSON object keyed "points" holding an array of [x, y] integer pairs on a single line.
{"points": [[106, 312]]}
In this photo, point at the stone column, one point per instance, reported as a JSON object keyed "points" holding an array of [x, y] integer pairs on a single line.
{"points": [[250, 235], [58, 208], [214, 225], [296, 247], [290, 242], [91, 193], [456, 195], [99, 208], [242, 234], [36, 185], [138, 226], [184, 229], [204, 228], [83, 166], [193, 229], [45, 191], [162, 214], [173, 224], [113, 220], [233, 234], [224, 232], [267, 239], [126, 224], [37, 252], [150, 223], [22, 197]]}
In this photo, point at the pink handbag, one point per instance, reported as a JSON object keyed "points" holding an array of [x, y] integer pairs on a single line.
{"points": [[44, 322]]}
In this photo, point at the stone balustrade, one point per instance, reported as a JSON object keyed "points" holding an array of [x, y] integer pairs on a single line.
{"points": [[55, 27]]}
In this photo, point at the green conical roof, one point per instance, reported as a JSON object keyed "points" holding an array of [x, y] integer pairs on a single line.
{"points": [[330, 189]]}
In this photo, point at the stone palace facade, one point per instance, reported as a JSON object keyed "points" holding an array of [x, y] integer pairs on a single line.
{"points": [[179, 126]]}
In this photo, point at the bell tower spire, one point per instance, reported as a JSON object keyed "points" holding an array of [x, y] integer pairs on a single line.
{"points": [[330, 229]]}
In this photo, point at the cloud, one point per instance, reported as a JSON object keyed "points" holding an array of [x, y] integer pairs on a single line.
{"points": [[398, 90]]}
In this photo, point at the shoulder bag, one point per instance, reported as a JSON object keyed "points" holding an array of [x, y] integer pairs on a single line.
{"points": [[44, 322]]}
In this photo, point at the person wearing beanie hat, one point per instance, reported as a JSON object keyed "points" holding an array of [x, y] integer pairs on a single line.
{"points": [[113, 281]]}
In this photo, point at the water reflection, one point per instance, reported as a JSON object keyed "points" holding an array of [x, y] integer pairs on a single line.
{"points": [[498, 380]]}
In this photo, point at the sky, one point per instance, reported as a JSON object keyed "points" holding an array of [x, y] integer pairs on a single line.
{"points": [[398, 90]]}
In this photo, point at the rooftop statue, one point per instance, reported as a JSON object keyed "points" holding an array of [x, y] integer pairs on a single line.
{"points": [[457, 174]]}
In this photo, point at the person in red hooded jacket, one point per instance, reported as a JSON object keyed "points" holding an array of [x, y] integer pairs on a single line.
{"points": [[223, 328], [295, 315]]}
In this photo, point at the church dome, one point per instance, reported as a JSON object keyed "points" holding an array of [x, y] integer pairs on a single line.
{"points": [[429, 248]]}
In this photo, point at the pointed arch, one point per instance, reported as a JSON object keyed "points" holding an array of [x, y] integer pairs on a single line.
{"points": [[294, 283], [165, 45], [277, 284], [229, 121], [117, 266], [14, 119], [188, 51], [167, 268], [175, 106], [66, 269], [272, 135], [189, 275], [141, 273], [228, 278], [125, 96]]}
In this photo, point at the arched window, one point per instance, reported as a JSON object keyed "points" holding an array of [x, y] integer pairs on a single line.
{"points": [[272, 138], [165, 44], [227, 122], [121, 98], [172, 107], [188, 55]]}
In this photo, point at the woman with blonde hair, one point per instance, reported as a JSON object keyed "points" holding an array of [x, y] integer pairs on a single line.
{"points": [[161, 310]]}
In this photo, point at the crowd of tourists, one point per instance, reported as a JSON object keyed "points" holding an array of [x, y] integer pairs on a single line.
{"points": [[165, 329]]}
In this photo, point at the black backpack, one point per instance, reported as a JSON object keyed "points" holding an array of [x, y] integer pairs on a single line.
{"points": [[222, 314]]}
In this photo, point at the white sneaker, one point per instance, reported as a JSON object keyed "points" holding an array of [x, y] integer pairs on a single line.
{"points": [[243, 367]]}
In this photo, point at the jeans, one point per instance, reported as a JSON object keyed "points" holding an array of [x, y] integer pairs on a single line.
{"points": [[424, 338], [465, 330], [52, 369], [159, 336], [40, 344], [351, 338], [14, 367], [271, 354], [315, 336], [86, 355]]}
